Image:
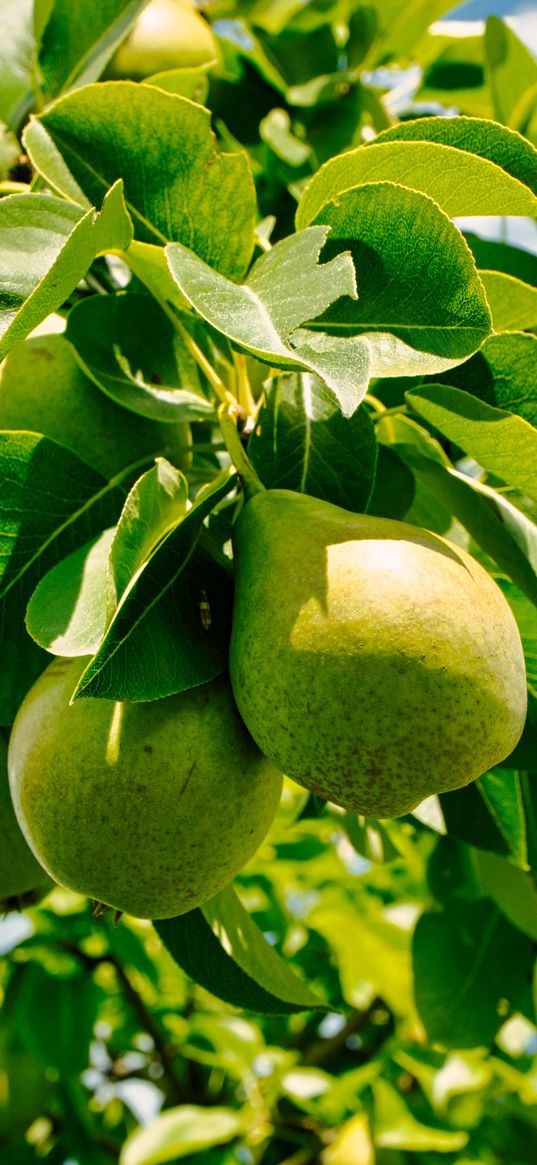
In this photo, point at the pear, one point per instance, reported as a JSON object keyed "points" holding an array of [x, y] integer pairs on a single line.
{"points": [[149, 808], [43, 389], [374, 662], [169, 34], [22, 880]]}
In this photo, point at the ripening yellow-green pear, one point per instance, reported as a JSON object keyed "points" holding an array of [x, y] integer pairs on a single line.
{"points": [[169, 34], [150, 808], [374, 662], [44, 390], [23, 882]]}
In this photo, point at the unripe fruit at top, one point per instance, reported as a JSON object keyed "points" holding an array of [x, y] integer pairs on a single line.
{"points": [[23, 882], [373, 662], [43, 389], [150, 808], [169, 34]]}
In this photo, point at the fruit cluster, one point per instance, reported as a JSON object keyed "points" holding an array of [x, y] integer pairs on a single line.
{"points": [[373, 662]]}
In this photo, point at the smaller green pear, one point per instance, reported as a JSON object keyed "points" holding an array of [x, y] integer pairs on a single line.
{"points": [[44, 390], [169, 34], [23, 882], [149, 808], [372, 661]]}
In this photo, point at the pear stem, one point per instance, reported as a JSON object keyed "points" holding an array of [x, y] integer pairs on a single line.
{"points": [[228, 425]]}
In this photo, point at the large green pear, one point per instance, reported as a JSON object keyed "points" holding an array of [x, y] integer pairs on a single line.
{"points": [[372, 661], [22, 880], [150, 808], [43, 389]]}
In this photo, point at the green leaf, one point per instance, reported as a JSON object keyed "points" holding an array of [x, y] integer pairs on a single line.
{"points": [[67, 612], [395, 1127], [157, 501], [468, 960], [489, 814], [130, 348], [454, 73], [191, 81], [58, 1034], [47, 246], [512, 69], [156, 643], [51, 503], [504, 444], [527, 625], [221, 948], [394, 488], [460, 182], [402, 22], [491, 255], [301, 442], [513, 890], [263, 321], [44, 390], [17, 53], [78, 40], [486, 139], [503, 373], [178, 1132], [372, 955], [513, 304], [416, 278], [88, 139], [498, 527], [69, 609]]}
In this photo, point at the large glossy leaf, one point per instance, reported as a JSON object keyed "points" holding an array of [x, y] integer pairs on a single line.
{"points": [[511, 67], [402, 22], [472, 815], [504, 444], [220, 947], [51, 502], [257, 316], [460, 182], [416, 280], [486, 139], [503, 373], [467, 958], [178, 1132], [301, 442], [394, 488], [372, 955], [396, 1127], [512, 302], [129, 347], [157, 501], [88, 139], [70, 608], [498, 527], [46, 247], [454, 72], [72, 1005], [491, 255], [513, 890], [78, 40], [156, 643], [17, 52]]}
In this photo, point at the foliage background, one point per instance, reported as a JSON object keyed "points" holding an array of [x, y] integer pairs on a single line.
{"points": [[417, 937]]}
